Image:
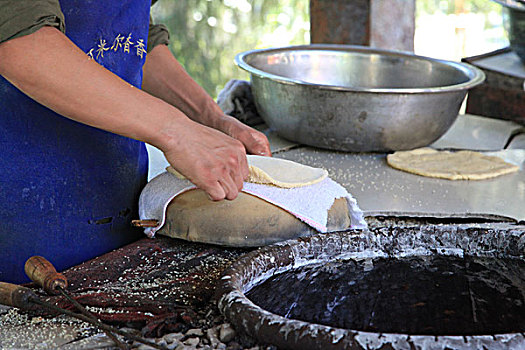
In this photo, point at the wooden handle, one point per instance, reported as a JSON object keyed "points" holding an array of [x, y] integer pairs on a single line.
{"points": [[17, 296], [145, 223], [42, 272]]}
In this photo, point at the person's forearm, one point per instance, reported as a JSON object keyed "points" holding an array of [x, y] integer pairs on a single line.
{"points": [[48, 67], [166, 79]]}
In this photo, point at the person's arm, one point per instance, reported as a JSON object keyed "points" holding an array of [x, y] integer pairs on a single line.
{"points": [[166, 79], [49, 68]]}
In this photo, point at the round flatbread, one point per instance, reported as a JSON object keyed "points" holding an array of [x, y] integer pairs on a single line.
{"points": [[283, 173], [278, 172], [461, 165]]}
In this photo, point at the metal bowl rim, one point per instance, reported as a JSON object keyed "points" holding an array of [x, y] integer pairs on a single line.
{"points": [[476, 76]]}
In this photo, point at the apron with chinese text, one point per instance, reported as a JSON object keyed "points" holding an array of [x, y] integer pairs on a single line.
{"points": [[69, 191]]}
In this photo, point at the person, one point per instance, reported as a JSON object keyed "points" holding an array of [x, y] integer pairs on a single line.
{"points": [[75, 119]]}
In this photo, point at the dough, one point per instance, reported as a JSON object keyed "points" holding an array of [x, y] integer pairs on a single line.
{"points": [[247, 221], [461, 165], [283, 173], [278, 172]]}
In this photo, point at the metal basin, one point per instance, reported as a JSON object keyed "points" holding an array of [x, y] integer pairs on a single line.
{"points": [[516, 11], [357, 99]]}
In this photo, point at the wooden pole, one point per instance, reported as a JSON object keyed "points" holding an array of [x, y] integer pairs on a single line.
{"points": [[388, 24], [340, 22]]}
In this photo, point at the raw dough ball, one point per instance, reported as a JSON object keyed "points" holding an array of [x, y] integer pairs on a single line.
{"points": [[461, 165], [277, 172], [246, 221]]}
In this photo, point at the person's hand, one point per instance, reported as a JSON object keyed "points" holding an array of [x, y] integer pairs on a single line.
{"points": [[213, 161], [254, 141]]}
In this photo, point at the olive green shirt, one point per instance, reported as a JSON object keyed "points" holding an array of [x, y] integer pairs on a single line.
{"points": [[23, 17]]}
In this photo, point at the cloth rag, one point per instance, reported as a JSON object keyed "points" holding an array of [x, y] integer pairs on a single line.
{"points": [[236, 99], [309, 204]]}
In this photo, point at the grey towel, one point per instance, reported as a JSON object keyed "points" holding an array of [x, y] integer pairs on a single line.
{"points": [[236, 99]]}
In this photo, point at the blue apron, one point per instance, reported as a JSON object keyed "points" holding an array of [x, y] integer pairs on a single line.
{"points": [[69, 191]]}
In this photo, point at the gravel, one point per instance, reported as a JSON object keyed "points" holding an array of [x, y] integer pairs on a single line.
{"points": [[197, 332], [213, 333], [226, 333]]}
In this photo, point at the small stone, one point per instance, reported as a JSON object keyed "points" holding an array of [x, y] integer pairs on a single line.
{"points": [[195, 332], [234, 346], [173, 345], [130, 330], [192, 341], [171, 337], [145, 347], [139, 345], [161, 342], [226, 332], [142, 346], [213, 335], [181, 347]]}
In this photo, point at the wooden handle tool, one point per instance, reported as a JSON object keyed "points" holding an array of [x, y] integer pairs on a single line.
{"points": [[42, 272], [17, 296], [24, 298], [145, 223]]}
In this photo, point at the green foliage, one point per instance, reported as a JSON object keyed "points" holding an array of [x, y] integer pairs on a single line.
{"points": [[456, 6], [206, 35]]}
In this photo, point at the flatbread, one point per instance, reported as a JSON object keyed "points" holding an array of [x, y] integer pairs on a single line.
{"points": [[277, 172], [283, 173], [461, 165]]}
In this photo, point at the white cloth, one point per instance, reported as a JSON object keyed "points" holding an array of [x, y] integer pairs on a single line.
{"points": [[310, 204]]}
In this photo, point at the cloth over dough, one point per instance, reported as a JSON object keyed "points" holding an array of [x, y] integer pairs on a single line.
{"points": [[293, 200], [461, 165], [278, 172]]}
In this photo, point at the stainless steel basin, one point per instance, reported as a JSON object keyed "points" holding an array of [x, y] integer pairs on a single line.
{"points": [[354, 98]]}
